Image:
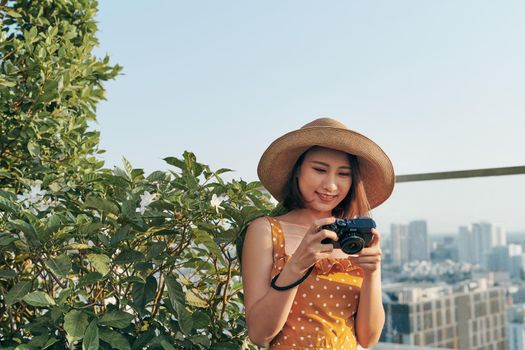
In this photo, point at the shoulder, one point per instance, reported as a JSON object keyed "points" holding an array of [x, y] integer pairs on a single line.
{"points": [[257, 249], [260, 224], [259, 230]]}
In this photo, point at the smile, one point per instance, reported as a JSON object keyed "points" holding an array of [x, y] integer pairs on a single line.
{"points": [[326, 197]]}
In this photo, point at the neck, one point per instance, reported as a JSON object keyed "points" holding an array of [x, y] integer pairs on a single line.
{"points": [[306, 216]]}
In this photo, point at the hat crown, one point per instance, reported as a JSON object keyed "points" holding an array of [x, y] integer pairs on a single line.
{"points": [[325, 122]]}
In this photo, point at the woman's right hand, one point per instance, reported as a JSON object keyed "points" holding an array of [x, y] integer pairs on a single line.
{"points": [[310, 250]]}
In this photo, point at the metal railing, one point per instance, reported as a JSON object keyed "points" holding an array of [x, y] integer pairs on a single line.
{"points": [[460, 174]]}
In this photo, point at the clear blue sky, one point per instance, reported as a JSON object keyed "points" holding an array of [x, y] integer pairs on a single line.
{"points": [[440, 85]]}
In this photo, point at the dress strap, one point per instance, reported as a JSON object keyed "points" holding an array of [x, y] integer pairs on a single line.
{"points": [[279, 253]]}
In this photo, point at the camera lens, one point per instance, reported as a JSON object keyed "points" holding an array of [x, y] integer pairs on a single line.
{"points": [[352, 244]]}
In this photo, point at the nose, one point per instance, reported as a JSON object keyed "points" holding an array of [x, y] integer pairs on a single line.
{"points": [[329, 184]]}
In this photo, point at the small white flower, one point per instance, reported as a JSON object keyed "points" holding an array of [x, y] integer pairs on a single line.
{"points": [[216, 201], [34, 199], [145, 200], [36, 192]]}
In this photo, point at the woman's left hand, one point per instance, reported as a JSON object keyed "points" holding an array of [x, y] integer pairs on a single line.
{"points": [[369, 259]]}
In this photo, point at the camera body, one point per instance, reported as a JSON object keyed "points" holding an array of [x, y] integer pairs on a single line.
{"points": [[354, 234]]}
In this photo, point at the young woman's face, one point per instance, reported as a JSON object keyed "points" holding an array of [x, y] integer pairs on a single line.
{"points": [[324, 178]]}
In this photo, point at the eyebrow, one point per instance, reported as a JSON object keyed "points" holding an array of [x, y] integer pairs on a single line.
{"points": [[328, 165]]}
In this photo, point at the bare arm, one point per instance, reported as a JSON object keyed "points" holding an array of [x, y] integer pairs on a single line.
{"points": [[370, 313], [267, 309]]}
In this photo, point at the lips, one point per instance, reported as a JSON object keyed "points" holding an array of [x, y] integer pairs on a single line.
{"points": [[326, 197]]}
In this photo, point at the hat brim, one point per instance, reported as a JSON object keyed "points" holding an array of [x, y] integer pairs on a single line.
{"points": [[376, 169]]}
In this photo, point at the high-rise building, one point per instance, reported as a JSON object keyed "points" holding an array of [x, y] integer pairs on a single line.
{"points": [[399, 243], [418, 243], [475, 244], [485, 237], [465, 246], [517, 263], [516, 327], [466, 316], [506, 259]]}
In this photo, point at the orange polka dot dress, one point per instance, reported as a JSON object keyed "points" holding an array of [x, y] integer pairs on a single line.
{"points": [[324, 309]]}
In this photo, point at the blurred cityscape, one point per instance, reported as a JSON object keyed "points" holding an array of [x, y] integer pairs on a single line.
{"points": [[454, 291]]}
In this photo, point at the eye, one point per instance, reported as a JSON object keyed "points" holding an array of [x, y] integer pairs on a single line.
{"points": [[320, 170], [345, 174]]}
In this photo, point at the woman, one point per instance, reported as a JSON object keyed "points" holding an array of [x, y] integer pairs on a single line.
{"points": [[300, 293]]}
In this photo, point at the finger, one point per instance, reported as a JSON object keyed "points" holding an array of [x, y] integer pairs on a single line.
{"points": [[317, 224], [370, 251], [327, 234], [376, 238], [322, 255], [326, 248], [367, 259]]}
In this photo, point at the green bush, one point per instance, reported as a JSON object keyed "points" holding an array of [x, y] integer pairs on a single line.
{"points": [[99, 258], [137, 262]]}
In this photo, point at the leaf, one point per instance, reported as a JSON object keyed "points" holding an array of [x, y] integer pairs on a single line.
{"points": [[38, 299], [7, 274], [7, 205], [50, 90], [6, 194], [64, 294], [127, 166], [6, 239], [143, 339], [150, 289], [55, 313], [18, 291], [194, 299], [201, 340], [38, 341], [143, 293], [75, 323], [166, 345], [13, 13], [128, 257], [9, 67], [60, 266], [201, 320], [224, 346], [175, 162], [156, 176], [7, 83], [90, 228], [137, 174], [89, 278], [178, 303], [49, 342], [155, 249], [34, 149], [114, 339], [123, 233], [91, 337], [101, 204], [53, 224], [117, 319], [26, 228], [207, 240], [100, 262], [77, 246], [128, 208]]}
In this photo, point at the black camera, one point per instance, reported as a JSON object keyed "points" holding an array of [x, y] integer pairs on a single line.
{"points": [[354, 234]]}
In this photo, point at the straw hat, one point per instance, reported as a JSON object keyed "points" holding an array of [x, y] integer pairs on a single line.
{"points": [[276, 163]]}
